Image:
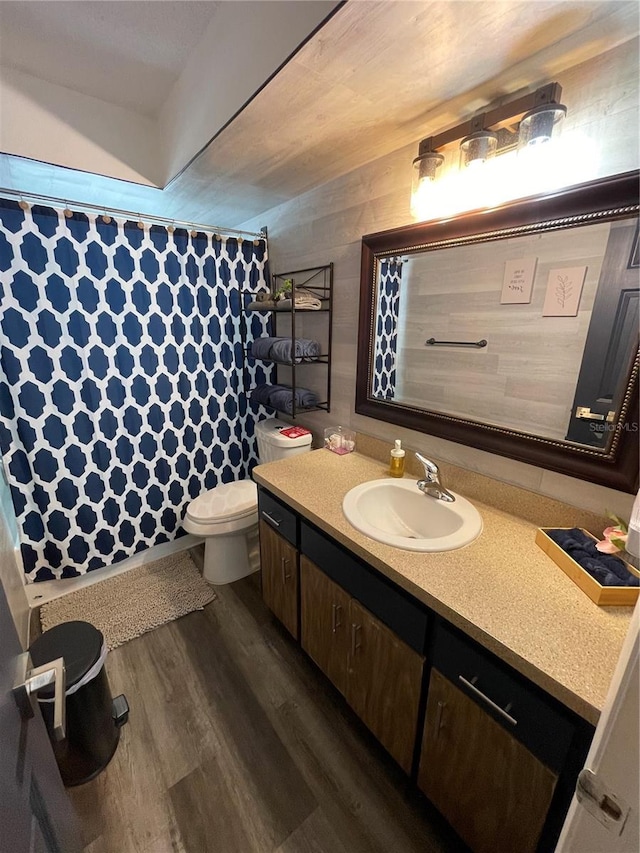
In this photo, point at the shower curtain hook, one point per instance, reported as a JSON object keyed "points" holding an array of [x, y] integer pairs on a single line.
{"points": [[22, 204], [68, 214], [140, 223], [105, 217], [171, 228]]}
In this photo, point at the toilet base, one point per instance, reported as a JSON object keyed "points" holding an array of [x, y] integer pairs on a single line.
{"points": [[227, 558]]}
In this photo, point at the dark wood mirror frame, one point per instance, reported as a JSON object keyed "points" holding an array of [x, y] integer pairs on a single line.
{"points": [[617, 467]]}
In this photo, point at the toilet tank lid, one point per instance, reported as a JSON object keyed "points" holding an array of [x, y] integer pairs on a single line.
{"points": [[228, 501], [282, 434]]}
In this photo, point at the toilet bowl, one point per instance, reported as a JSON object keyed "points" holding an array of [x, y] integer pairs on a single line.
{"points": [[227, 516]]}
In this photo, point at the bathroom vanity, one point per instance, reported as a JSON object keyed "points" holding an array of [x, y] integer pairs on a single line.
{"points": [[482, 671]]}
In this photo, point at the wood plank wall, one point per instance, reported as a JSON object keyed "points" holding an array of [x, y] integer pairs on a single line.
{"points": [[327, 224]]}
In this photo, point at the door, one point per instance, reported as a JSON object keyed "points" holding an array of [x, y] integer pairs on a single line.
{"points": [[279, 566], [608, 822], [490, 788], [612, 342], [383, 683], [324, 617], [35, 813]]}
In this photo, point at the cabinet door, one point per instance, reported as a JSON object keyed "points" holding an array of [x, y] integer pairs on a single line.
{"points": [[279, 566], [383, 683], [324, 617], [491, 789]]}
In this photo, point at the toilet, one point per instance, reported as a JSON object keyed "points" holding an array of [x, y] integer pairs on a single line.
{"points": [[227, 516]]}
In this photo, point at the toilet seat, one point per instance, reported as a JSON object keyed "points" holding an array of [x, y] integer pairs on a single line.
{"points": [[228, 508]]}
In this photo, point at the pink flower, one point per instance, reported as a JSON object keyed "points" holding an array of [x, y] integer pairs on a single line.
{"points": [[615, 539]]}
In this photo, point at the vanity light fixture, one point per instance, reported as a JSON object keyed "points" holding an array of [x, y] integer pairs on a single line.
{"points": [[536, 126], [522, 122], [424, 167], [478, 147]]}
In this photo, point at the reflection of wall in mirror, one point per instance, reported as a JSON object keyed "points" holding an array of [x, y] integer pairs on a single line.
{"points": [[525, 378]]}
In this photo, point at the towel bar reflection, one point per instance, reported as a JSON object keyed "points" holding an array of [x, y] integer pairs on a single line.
{"points": [[432, 342]]}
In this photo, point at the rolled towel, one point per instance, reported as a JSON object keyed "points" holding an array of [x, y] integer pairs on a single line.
{"points": [[280, 397], [279, 349], [261, 394], [261, 347], [607, 569], [305, 350]]}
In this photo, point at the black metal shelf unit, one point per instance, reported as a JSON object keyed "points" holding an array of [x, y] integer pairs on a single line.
{"points": [[319, 282]]}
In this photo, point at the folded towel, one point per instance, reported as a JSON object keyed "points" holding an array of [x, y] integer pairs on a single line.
{"points": [[281, 397], [265, 305], [304, 299], [279, 349], [607, 569]]}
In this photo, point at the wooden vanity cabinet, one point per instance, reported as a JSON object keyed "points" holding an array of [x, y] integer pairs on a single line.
{"points": [[325, 622], [492, 749], [378, 673], [498, 756], [384, 680], [279, 561], [491, 789]]}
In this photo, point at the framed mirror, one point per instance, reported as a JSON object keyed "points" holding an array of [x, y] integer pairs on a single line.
{"points": [[513, 330]]}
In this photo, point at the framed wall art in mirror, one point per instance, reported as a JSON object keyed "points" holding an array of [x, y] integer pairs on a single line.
{"points": [[513, 330]]}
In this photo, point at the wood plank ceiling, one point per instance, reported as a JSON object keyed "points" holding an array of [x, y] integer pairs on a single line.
{"points": [[380, 75]]}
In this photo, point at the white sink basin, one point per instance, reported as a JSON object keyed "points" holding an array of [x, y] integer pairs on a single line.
{"points": [[397, 513]]}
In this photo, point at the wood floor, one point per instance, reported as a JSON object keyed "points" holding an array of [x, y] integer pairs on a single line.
{"points": [[236, 743]]}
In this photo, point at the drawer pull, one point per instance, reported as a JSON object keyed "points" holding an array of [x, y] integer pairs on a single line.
{"points": [[441, 707], [355, 645], [270, 519], [285, 576], [490, 702], [335, 621]]}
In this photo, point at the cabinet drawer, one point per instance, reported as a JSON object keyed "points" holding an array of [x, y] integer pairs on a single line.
{"points": [[395, 608], [278, 516], [507, 696]]}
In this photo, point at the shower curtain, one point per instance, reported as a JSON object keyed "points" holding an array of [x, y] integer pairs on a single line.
{"points": [[121, 379], [386, 338]]}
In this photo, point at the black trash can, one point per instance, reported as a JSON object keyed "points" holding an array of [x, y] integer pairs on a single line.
{"points": [[93, 717]]}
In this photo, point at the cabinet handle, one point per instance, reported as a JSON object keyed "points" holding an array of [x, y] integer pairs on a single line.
{"points": [[270, 519], [355, 645], [441, 707], [283, 564], [489, 702], [335, 622]]}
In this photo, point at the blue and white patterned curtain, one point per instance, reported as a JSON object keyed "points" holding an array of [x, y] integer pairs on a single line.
{"points": [[386, 339], [121, 372]]}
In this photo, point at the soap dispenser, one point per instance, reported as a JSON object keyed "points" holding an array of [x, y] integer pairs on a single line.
{"points": [[396, 465]]}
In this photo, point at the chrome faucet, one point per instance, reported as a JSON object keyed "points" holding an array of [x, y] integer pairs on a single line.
{"points": [[431, 485]]}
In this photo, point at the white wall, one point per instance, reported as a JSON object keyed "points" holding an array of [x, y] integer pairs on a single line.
{"points": [[327, 224], [236, 54], [47, 122], [231, 61]]}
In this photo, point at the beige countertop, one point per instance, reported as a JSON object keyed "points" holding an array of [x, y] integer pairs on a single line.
{"points": [[501, 590]]}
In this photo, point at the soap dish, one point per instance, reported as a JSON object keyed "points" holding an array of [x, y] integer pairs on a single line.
{"points": [[339, 440], [604, 596]]}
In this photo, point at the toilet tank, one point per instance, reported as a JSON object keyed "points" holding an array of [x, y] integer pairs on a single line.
{"points": [[278, 440]]}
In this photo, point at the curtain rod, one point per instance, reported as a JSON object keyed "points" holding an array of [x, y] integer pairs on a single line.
{"points": [[35, 198]]}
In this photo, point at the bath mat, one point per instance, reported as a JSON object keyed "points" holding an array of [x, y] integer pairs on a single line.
{"points": [[137, 601]]}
